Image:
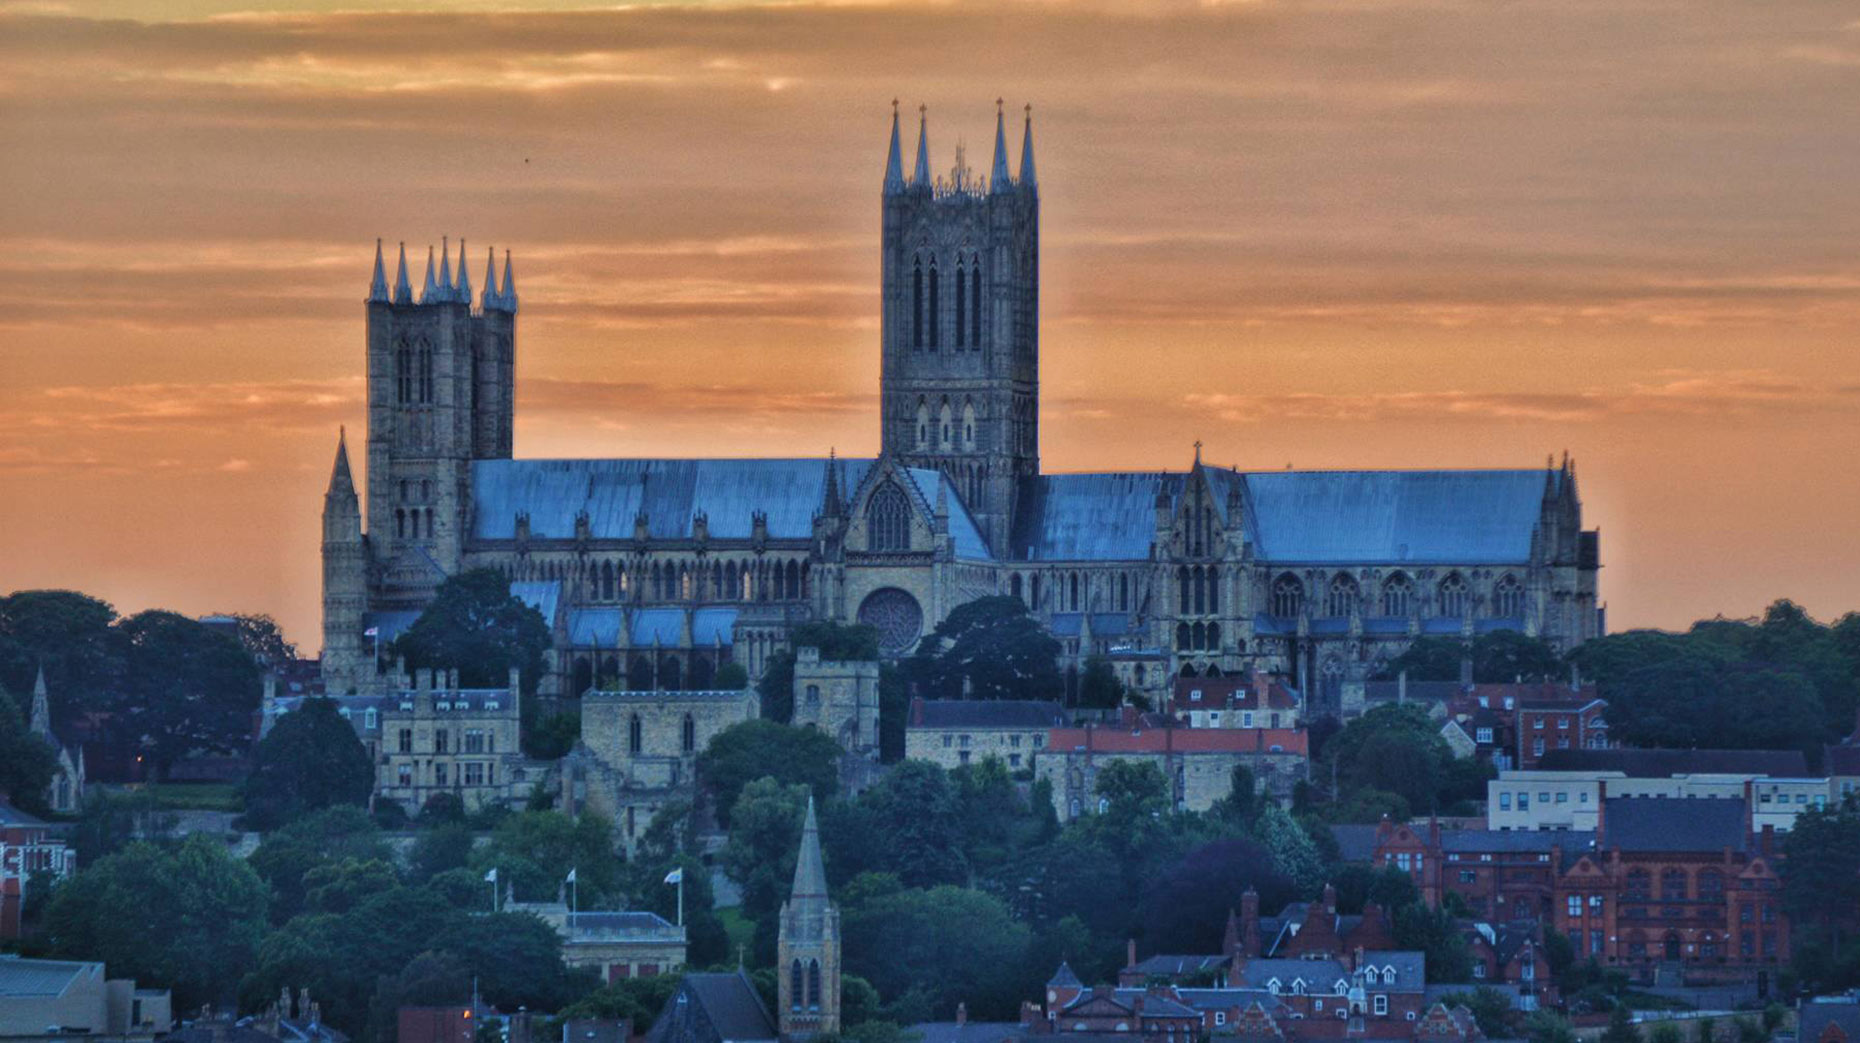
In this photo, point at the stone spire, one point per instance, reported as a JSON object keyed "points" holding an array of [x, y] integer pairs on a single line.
{"points": [[1026, 153], [377, 287], [341, 481], [810, 873], [894, 161], [403, 287], [920, 175], [508, 296], [426, 292], [832, 507], [445, 269], [998, 177], [462, 291], [41, 707], [489, 300]]}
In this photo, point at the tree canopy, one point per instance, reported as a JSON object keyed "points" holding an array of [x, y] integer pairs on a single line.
{"points": [[26, 762], [744, 752], [1498, 657], [310, 760], [989, 648], [187, 688], [476, 626]]}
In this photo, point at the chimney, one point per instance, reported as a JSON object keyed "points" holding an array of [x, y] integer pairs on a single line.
{"points": [[1401, 687], [1768, 845], [1330, 899], [962, 1014], [1601, 813], [1466, 671], [1249, 923], [1130, 953]]}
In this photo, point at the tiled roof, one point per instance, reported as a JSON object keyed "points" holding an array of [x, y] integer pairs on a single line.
{"points": [[1355, 843], [968, 1032], [731, 1003], [1656, 764], [1177, 965], [541, 595], [1815, 1016], [985, 713], [1655, 824], [12, 816], [1475, 841]]}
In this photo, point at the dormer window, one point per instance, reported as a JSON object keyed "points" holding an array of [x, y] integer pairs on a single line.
{"points": [[1373, 976], [1343, 987], [1388, 975], [1273, 986], [1298, 986]]}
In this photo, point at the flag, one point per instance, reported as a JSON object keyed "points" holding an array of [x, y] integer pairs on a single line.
{"points": [[491, 877], [676, 876], [372, 632], [571, 876]]}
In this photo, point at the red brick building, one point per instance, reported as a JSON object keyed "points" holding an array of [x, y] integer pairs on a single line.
{"points": [[1500, 875]]}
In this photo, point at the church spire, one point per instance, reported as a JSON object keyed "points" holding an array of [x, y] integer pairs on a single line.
{"points": [[920, 175], [1026, 153], [894, 160], [377, 287], [426, 292], [810, 873], [41, 707], [341, 481], [462, 292], [998, 177], [508, 296], [403, 288], [445, 269], [833, 506]]}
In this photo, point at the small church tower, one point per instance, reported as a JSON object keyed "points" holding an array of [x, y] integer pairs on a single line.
{"points": [[809, 946], [345, 576], [959, 319]]}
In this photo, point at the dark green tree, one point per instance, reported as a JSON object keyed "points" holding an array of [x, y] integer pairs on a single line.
{"points": [[26, 762], [336, 834], [757, 749], [262, 639], [989, 648], [70, 636], [431, 979], [765, 831], [310, 760], [534, 851], [1099, 686], [1490, 1008], [476, 626], [1821, 894], [920, 827], [1434, 933], [1185, 909], [189, 917], [949, 943], [1395, 749], [1621, 1028], [188, 688]]}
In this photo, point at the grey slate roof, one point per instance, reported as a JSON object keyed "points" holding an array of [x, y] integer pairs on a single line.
{"points": [[1816, 1015], [713, 1008], [989, 713], [969, 1032], [1657, 764], [1467, 841], [1654, 824], [541, 595], [1355, 843], [1175, 965], [22, 977], [12, 816]]}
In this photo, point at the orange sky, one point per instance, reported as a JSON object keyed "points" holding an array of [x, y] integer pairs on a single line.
{"points": [[1359, 233]]}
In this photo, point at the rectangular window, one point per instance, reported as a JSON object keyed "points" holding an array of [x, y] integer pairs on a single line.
{"points": [[474, 740], [1469, 876], [1595, 903], [439, 774], [439, 741], [1014, 741], [1595, 942], [474, 773], [1039, 742], [1382, 1004], [1485, 735], [1013, 760], [1504, 801], [1537, 747], [406, 774], [371, 719], [948, 741], [406, 740], [1562, 797], [1246, 719], [1524, 801], [965, 742], [1220, 1017], [1575, 906]]}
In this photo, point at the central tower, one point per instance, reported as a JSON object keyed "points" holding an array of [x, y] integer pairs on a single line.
{"points": [[960, 303]]}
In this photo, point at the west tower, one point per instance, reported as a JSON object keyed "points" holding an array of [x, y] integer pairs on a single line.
{"points": [[441, 375], [960, 295]]}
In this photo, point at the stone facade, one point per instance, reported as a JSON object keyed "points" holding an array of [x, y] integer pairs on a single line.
{"points": [[79, 999], [639, 750], [1198, 762], [954, 732], [839, 698], [661, 571], [1564, 800], [618, 945]]}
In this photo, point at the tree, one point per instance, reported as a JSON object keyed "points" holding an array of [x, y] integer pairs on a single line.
{"points": [[836, 641], [758, 749], [731, 677], [1821, 893], [188, 917], [285, 859], [949, 943], [188, 688], [431, 979], [920, 834], [310, 760], [1392, 748], [1498, 657], [1291, 848], [989, 648], [262, 639], [1434, 933], [476, 626], [534, 851], [337, 887], [765, 832], [72, 638], [1490, 1008], [1185, 909], [1621, 1028], [26, 762], [1542, 1026], [1427, 659], [1099, 685]]}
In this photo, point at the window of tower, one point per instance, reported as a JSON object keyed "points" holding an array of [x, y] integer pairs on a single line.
{"points": [[923, 424], [936, 321], [917, 306], [797, 986], [1508, 598], [635, 736], [975, 309], [1452, 593], [403, 376], [1288, 595], [400, 524], [946, 427], [962, 305], [1396, 593], [1343, 595], [813, 985], [688, 735], [1214, 590], [1181, 587]]}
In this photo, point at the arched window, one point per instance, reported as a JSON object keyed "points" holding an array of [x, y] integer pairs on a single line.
{"points": [[917, 306], [797, 987], [1182, 640], [813, 985], [400, 523], [425, 390], [946, 427], [936, 314], [1214, 637], [1673, 883], [1508, 598], [1014, 585], [635, 737], [794, 581], [888, 520], [1123, 593], [968, 425], [923, 424], [639, 675], [403, 380], [607, 581], [975, 311], [1639, 886], [1711, 884], [1214, 589], [1200, 582], [1452, 593], [1198, 637], [1341, 599], [687, 736], [1397, 591], [1181, 585], [1075, 592], [1288, 595], [1188, 669], [962, 304]]}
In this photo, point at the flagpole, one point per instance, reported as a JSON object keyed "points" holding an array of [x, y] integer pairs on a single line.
{"points": [[681, 899]]}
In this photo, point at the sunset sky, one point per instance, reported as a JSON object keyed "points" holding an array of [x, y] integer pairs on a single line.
{"points": [[1361, 233]]}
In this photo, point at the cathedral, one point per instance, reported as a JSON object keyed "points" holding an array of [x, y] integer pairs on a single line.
{"points": [[656, 572]]}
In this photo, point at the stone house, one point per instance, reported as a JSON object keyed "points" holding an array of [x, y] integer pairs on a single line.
{"points": [[1198, 762], [954, 732]]}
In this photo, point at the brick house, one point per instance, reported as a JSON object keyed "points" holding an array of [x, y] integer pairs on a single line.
{"points": [[1252, 700]]}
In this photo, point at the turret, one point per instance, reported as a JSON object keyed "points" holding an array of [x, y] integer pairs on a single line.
{"points": [[403, 289], [462, 291], [377, 286], [41, 720], [920, 174], [1026, 154], [998, 180], [345, 578], [894, 159]]}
